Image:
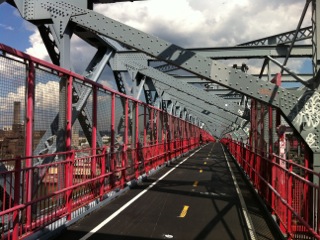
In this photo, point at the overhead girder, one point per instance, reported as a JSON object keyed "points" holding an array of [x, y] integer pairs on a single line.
{"points": [[247, 52], [95, 42], [124, 63], [128, 62], [215, 123], [51, 44], [292, 104], [282, 38], [298, 108], [198, 105], [197, 110], [240, 52], [284, 78], [209, 103]]}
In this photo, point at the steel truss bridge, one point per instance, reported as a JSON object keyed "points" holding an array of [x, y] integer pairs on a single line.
{"points": [[74, 142]]}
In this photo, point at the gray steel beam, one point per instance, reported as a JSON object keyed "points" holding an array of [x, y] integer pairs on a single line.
{"points": [[190, 91], [284, 78], [297, 107], [247, 52], [295, 35], [316, 37], [293, 105], [214, 121], [123, 63], [282, 38], [202, 109]]}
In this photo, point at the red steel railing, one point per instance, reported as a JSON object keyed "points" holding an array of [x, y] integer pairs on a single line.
{"points": [[35, 195], [285, 186]]}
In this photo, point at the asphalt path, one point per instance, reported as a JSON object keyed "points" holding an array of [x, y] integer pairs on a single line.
{"points": [[194, 197]]}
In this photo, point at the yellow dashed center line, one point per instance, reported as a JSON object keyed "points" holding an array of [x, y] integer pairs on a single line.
{"points": [[195, 184], [184, 211]]}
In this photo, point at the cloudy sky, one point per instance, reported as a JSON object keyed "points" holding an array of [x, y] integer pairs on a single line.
{"points": [[188, 23]]}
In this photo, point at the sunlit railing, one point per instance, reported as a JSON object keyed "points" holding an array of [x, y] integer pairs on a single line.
{"points": [[290, 190], [40, 189]]}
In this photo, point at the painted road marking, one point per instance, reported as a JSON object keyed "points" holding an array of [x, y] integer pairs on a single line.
{"points": [[195, 184], [184, 211], [116, 213], [250, 226]]}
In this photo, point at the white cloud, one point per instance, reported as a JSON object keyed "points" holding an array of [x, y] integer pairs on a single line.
{"points": [[193, 23], [6, 27], [37, 48], [206, 23], [47, 96]]}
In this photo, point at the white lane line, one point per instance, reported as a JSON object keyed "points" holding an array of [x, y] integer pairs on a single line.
{"points": [[252, 232], [116, 213]]}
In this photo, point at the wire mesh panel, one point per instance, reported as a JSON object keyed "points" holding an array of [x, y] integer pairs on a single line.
{"points": [[131, 146], [142, 126], [84, 105], [12, 105], [150, 122], [119, 121], [46, 111], [104, 117]]}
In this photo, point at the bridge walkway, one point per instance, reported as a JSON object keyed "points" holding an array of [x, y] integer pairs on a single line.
{"points": [[194, 197]]}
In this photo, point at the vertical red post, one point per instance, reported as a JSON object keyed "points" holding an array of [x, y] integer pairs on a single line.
{"points": [[167, 148], [273, 181], [157, 137], [257, 146], [270, 167], [124, 161], [172, 137], [151, 137], [137, 148], [252, 140], [144, 125], [144, 147], [163, 138], [29, 137], [318, 205], [94, 130], [103, 171], [261, 163], [17, 181], [69, 113], [112, 154], [69, 162], [306, 188], [289, 189]]}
